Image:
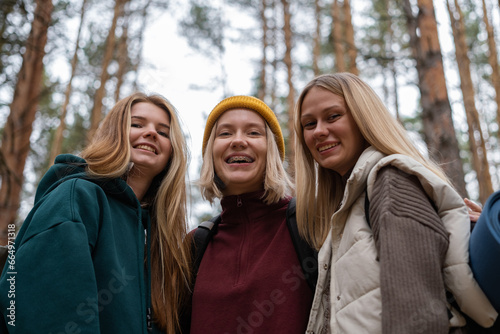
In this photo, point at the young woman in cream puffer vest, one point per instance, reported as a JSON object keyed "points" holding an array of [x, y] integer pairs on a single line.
{"points": [[390, 274]]}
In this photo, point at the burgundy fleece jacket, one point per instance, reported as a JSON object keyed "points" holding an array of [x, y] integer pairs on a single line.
{"points": [[250, 280]]}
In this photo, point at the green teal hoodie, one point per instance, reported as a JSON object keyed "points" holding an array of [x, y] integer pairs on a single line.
{"points": [[78, 262]]}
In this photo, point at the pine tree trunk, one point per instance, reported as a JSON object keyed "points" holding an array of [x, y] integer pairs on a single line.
{"points": [[17, 131], [338, 40], [261, 93], [96, 114], [137, 61], [291, 90], [352, 51], [316, 38], [493, 59], [439, 132], [122, 58], [58, 136], [273, 44], [476, 140]]}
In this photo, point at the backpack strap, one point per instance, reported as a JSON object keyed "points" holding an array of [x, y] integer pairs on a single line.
{"points": [[308, 257], [201, 238]]}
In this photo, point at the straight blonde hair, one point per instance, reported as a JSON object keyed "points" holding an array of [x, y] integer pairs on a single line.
{"points": [[277, 183], [108, 155], [320, 190]]}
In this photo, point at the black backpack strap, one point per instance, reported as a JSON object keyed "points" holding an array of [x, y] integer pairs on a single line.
{"points": [[201, 238], [308, 257]]}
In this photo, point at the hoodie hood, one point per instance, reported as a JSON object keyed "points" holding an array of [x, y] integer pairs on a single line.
{"points": [[68, 166]]}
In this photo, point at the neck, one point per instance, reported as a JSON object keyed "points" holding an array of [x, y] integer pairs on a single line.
{"points": [[139, 183]]}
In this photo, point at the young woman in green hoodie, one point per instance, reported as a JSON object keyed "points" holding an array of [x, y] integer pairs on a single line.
{"points": [[102, 250]]}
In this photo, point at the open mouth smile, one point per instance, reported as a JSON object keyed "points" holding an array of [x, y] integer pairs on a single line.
{"points": [[327, 147], [147, 148], [239, 159]]}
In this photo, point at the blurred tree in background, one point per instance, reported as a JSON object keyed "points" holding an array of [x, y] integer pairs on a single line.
{"points": [[393, 44]]}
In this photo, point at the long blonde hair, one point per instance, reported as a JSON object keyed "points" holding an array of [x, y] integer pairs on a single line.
{"points": [[320, 190], [108, 155], [277, 183]]}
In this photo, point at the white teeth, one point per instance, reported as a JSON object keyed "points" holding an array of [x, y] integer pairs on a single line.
{"points": [[239, 159], [326, 147], [146, 147]]}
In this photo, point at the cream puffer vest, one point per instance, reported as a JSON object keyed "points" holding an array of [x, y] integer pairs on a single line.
{"points": [[354, 305]]}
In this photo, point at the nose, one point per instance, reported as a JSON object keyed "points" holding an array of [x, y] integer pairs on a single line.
{"points": [[320, 130], [149, 131], [238, 141]]}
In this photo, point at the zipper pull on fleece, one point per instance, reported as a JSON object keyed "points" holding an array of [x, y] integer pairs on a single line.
{"points": [[148, 319], [239, 203]]}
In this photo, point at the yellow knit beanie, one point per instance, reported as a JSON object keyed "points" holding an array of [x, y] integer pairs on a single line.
{"points": [[245, 102]]}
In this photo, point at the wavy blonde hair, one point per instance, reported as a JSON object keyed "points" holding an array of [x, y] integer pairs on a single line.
{"points": [[320, 190], [108, 155], [277, 183]]}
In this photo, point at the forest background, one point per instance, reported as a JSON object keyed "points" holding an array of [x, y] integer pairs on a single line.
{"points": [[64, 63]]}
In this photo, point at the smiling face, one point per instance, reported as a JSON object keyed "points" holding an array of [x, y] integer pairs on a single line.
{"points": [[150, 138], [330, 133], [240, 150]]}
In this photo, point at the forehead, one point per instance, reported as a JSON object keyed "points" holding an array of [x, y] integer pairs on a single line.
{"points": [[320, 99], [149, 110], [241, 116]]}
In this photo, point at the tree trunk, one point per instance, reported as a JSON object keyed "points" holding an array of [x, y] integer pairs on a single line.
{"points": [[439, 132], [316, 39], [123, 57], [352, 51], [261, 93], [58, 136], [275, 31], [493, 59], [476, 140], [138, 60], [17, 131], [338, 40], [287, 28], [96, 114]]}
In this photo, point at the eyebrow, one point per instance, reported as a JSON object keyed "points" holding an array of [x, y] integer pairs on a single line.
{"points": [[144, 119], [331, 108], [251, 124]]}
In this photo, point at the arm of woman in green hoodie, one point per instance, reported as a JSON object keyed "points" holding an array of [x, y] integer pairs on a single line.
{"points": [[53, 276]]}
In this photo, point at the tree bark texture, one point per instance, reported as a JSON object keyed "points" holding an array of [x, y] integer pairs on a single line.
{"points": [[58, 136], [316, 38], [261, 91], [493, 59], [290, 101], [96, 114], [338, 40], [17, 131], [476, 139], [439, 132], [352, 51]]}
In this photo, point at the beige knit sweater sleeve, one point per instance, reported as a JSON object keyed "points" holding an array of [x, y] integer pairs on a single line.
{"points": [[411, 242]]}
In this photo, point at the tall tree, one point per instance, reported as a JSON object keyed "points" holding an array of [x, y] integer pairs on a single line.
{"points": [[338, 40], [96, 114], [476, 138], [122, 55], [16, 136], [493, 59], [262, 89], [316, 38], [58, 136], [439, 132], [290, 100], [352, 51]]}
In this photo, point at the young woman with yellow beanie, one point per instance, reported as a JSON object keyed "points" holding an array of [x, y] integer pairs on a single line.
{"points": [[250, 278]]}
